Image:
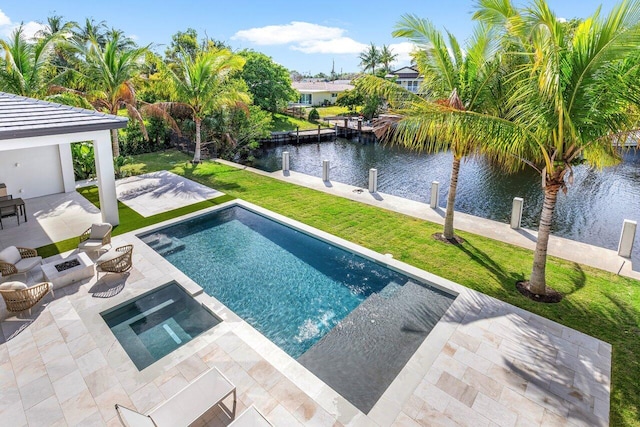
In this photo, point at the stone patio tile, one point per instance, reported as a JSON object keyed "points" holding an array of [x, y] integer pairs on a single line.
{"points": [[69, 386], [429, 416], [35, 392], [434, 396], [457, 389], [45, 413], [524, 407], [385, 411], [172, 385], [265, 374], [101, 380], [464, 415], [450, 365], [259, 397], [93, 420], [471, 359], [107, 400], [340, 407], [91, 362], [548, 400], [493, 354], [312, 414], [79, 407], [29, 371], [61, 367], [81, 345], [46, 335], [245, 356], [413, 406], [147, 397], [551, 419], [494, 411], [279, 416], [191, 367], [287, 394], [74, 329], [464, 340], [404, 420], [483, 383], [580, 339], [229, 342], [54, 350]]}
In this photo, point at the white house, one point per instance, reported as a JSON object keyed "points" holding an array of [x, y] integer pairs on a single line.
{"points": [[407, 77], [35, 149], [320, 93]]}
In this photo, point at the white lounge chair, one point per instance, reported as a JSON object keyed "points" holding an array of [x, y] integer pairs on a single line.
{"points": [[187, 406], [14, 260]]}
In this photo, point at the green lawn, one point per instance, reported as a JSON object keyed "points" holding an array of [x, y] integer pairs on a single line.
{"points": [[282, 122], [598, 303]]}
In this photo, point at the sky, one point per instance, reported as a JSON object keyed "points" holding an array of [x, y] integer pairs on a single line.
{"points": [[306, 36]]}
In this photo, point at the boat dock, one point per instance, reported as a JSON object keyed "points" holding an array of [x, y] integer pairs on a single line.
{"points": [[340, 127]]}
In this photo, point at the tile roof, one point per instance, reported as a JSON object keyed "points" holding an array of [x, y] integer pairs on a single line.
{"points": [[22, 117]]}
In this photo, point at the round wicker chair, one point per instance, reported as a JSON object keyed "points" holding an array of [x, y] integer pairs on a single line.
{"points": [[116, 261], [18, 297]]}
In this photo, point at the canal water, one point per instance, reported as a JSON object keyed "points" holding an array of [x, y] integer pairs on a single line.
{"points": [[592, 211]]}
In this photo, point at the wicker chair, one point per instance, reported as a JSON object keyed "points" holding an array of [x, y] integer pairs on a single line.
{"points": [[15, 260], [18, 297], [95, 237], [118, 260]]}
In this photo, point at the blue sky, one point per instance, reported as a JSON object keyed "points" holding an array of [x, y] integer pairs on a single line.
{"points": [[303, 35]]}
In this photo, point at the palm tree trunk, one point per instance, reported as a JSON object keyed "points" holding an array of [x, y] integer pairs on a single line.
{"points": [[196, 154], [451, 199], [538, 283], [115, 145]]}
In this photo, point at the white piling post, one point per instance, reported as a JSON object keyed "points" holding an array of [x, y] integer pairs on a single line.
{"points": [[335, 128], [516, 212], [435, 191], [373, 180], [626, 238], [285, 161], [325, 170]]}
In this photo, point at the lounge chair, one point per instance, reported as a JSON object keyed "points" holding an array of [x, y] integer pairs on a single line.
{"points": [[187, 406], [18, 297], [95, 237], [118, 260], [15, 260], [251, 417]]}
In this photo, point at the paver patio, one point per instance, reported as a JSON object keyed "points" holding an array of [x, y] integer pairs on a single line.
{"points": [[485, 363]]}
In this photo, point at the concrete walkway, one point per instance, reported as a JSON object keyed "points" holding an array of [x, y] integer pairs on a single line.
{"points": [[582, 253]]}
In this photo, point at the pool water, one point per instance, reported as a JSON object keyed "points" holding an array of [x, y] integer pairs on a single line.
{"points": [[295, 289], [154, 324]]}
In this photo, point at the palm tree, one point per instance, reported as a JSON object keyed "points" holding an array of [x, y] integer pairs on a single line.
{"points": [[202, 85], [106, 74], [387, 57], [457, 83], [23, 64], [571, 97], [370, 58]]}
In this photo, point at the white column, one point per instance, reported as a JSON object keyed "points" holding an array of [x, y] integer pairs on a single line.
{"points": [[373, 180], [625, 246], [106, 178], [325, 170], [516, 212], [285, 161], [435, 191], [66, 166]]}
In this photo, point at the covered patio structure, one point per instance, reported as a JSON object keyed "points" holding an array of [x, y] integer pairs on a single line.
{"points": [[35, 149]]}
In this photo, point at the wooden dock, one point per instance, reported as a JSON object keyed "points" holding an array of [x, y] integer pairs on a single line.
{"points": [[339, 129]]}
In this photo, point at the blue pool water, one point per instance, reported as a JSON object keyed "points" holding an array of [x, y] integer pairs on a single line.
{"points": [[154, 324], [352, 322]]}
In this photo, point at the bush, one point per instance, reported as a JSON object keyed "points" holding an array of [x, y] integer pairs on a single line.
{"points": [[314, 115], [132, 139]]}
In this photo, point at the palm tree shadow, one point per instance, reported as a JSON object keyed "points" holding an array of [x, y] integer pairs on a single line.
{"points": [[506, 279]]}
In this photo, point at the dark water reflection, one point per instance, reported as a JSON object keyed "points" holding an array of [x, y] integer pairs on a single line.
{"points": [[592, 211]]}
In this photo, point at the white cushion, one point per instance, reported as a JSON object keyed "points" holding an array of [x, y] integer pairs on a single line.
{"points": [[108, 256], [27, 264], [12, 286], [91, 244], [98, 231], [10, 255]]}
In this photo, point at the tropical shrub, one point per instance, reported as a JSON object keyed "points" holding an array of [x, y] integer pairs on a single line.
{"points": [[84, 165], [314, 115]]}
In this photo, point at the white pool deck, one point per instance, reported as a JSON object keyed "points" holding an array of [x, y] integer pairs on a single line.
{"points": [[486, 363]]}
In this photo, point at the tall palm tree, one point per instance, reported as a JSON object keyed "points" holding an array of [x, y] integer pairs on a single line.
{"points": [[202, 85], [570, 99], [387, 57], [457, 82], [105, 74], [370, 58], [23, 64]]}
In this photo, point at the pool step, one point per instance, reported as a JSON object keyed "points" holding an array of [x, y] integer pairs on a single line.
{"points": [[164, 244]]}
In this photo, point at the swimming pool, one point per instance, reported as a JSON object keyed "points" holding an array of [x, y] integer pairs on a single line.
{"points": [[295, 289], [156, 323]]}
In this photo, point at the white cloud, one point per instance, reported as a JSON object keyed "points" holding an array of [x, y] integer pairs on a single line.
{"points": [[29, 29], [294, 32], [403, 50], [338, 45], [304, 37]]}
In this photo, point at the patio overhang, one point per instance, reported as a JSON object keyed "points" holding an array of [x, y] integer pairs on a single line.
{"points": [[28, 124]]}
